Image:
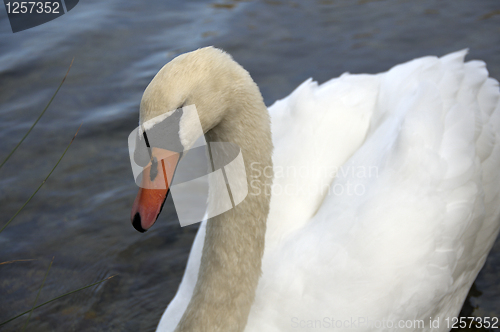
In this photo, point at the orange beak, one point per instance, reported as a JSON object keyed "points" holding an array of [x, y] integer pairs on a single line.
{"points": [[156, 179]]}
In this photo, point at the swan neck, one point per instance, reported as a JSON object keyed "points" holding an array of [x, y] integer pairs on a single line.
{"points": [[234, 242]]}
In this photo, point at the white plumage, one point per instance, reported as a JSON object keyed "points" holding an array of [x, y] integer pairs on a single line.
{"points": [[385, 200]]}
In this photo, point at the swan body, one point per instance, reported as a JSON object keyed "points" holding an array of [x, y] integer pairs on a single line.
{"points": [[384, 201]]}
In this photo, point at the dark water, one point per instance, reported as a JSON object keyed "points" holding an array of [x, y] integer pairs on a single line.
{"points": [[81, 215]]}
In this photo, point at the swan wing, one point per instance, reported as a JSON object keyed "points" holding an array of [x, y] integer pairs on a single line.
{"points": [[409, 218], [315, 130]]}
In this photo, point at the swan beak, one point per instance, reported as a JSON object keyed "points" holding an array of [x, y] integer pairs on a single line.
{"points": [[156, 177]]}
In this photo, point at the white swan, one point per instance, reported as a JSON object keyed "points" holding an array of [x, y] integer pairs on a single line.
{"points": [[395, 236]]}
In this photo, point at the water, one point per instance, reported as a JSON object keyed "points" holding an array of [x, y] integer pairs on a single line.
{"points": [[81, 216]]}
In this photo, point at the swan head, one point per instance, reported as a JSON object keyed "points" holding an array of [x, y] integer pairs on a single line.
{"points": [[207, 78]]}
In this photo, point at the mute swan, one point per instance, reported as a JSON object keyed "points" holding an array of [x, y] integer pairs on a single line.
{"points": [[385, 196]]}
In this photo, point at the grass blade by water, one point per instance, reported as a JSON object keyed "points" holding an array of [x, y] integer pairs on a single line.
{"points": [[43, 182], [39, 117], [56, 298], [17, 260], [38, 294]]}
